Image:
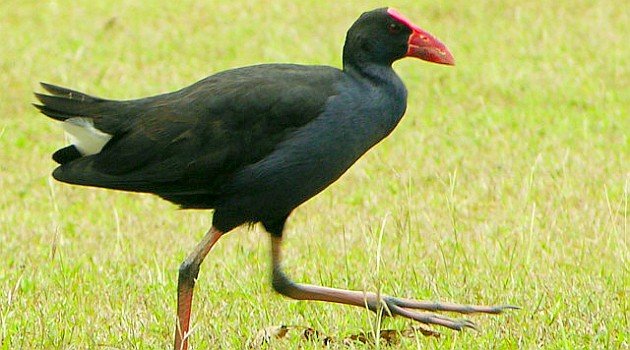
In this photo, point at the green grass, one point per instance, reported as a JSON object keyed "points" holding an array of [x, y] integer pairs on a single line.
{"points": [[507, 182]]}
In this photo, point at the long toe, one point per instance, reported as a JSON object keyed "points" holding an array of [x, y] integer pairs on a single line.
{"points": [[429, 318], [448, 307]]}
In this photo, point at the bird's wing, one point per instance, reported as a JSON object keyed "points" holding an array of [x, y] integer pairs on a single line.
{"points": [[190, 141]]}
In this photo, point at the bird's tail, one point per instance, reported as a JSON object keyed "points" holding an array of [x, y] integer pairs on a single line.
{"points": [[65, 103], [84, 118]]}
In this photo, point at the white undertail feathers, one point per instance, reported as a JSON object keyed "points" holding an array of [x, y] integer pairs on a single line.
{"points": [[84, 136]]}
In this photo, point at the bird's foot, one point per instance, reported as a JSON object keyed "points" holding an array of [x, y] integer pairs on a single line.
{"points": [[401, 307]]}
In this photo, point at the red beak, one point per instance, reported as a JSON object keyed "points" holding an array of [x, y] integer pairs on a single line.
{"points": [[422, 44]]}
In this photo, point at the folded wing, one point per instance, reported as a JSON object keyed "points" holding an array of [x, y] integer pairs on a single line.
{"points": [[191, 141]]}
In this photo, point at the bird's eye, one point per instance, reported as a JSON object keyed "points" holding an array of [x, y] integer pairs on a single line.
{"points": [[393, 28]]}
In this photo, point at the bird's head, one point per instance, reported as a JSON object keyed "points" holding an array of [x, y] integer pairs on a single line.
{"points": [[384, 35]]}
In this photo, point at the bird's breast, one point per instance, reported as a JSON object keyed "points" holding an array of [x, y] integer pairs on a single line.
{"points": [[316, 155]]}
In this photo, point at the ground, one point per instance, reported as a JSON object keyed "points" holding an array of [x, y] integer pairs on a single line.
{"points": [[507, 182]]}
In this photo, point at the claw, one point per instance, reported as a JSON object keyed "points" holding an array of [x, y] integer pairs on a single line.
{"points": [[469, 324], [464, 323], [499, 309]]}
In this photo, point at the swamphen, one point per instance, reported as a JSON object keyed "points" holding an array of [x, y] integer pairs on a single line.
{"points": [[254, 143]]}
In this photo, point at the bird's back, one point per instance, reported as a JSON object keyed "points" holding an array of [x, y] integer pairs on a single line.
{"points": [[185, 145]]}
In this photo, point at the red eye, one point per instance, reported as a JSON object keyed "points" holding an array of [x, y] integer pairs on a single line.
{"points": [[393, 28]]}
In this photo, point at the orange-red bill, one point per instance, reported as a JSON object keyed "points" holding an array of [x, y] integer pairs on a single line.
{"points": [[422, 44]]}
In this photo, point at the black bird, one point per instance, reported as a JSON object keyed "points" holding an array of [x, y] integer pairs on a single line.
{"points": [[254, 143]]}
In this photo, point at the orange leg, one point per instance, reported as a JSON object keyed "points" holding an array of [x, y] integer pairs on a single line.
{"points": [[392, 306], [188, 272]]}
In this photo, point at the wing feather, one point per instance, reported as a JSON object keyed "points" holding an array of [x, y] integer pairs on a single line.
{"points": [[189, 142]]}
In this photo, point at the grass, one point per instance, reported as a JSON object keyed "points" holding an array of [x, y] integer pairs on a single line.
{"points": [[507, 182]]}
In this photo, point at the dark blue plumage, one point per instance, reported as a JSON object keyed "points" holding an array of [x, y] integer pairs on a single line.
{"points": [[253, 144], [353, 120], [236, 141]]}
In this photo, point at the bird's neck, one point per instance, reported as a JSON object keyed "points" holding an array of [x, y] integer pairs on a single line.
{"points": [[373, 72]]}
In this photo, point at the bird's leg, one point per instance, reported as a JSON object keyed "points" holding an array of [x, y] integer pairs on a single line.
{"points": [[393, 306], [188, 272]]}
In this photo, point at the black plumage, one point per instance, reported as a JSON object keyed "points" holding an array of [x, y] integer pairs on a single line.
{"points": [[251, 143]]}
